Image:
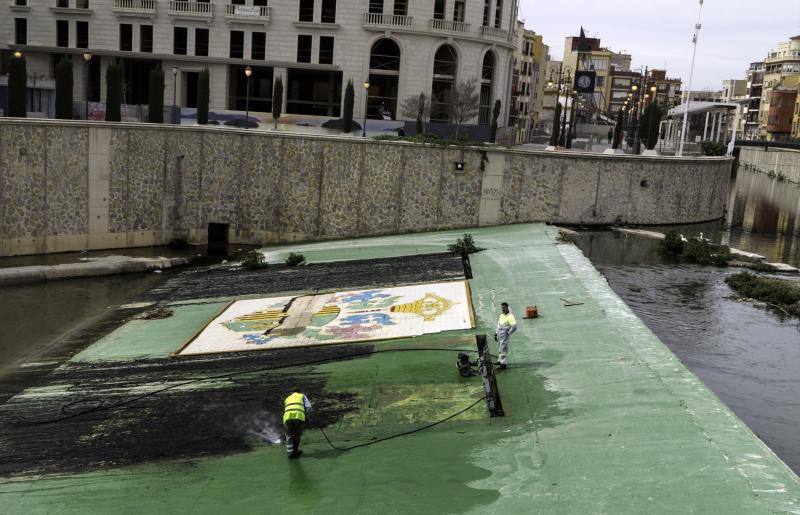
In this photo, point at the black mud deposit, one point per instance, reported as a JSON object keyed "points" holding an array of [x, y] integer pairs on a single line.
{"points": [[222, 281], [76, 425], [84, 416]]}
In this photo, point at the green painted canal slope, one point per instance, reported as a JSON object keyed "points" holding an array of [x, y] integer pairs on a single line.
{"points": [[601, 416]]}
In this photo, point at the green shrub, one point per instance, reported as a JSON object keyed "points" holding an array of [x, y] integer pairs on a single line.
{"points": [[252, 260], [671, 244], [295, 259], [712, 148], [465, 245], [693, 250], [772, 291], [705, 253]]}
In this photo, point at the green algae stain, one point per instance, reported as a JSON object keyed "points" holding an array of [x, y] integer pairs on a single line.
{"points": [[151, 338]]}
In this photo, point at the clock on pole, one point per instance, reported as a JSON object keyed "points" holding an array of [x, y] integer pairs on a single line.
{"points": [[584, 81]]}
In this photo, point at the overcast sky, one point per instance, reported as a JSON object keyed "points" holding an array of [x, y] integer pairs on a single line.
{"points": [[734, 32]]}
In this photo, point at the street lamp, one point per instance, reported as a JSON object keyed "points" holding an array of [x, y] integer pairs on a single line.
{"points": [[87, 56], [366, 101], [247, 72], [174, 90], [17, 54]]}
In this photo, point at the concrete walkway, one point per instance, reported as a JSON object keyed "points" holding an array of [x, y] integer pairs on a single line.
{"points": [[601, 416]]}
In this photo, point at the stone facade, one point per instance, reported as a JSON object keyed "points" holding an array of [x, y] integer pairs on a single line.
{"points": [[73, 186], [356, 26]]}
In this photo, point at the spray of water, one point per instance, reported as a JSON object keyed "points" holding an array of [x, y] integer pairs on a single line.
{"points": [[263, 425]]}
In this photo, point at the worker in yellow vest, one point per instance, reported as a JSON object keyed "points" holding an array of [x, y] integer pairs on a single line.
{"points": [[296, 408], [506, 326]]}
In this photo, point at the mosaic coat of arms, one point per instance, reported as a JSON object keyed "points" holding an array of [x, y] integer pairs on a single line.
{"points": [[343, 317]]}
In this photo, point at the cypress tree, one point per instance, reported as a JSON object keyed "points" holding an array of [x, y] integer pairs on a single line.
{"points": [[155, 110], [653, 125], [277, 100], [17, 87], [556, 132], [495, 116], [203, 80], [618, 131], [347, 115], [421, 103], [64, 87], [113, 92]]}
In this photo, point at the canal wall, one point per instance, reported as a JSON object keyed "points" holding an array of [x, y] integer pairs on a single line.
{"points": [[783, 163], [74, 185]]}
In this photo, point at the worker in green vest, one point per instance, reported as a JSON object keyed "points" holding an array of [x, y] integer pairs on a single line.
{"points": [[506, 326], [296, 408]]}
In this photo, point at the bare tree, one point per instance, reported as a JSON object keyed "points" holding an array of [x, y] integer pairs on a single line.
{"points": [[465, 101], [417, 107]]}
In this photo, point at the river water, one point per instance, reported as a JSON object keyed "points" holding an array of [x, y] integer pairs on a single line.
{"points": [[748, 356]]}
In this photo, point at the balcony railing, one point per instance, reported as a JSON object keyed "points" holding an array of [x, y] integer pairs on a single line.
{"points": [[257, 13], [450, 26], [191, 9], [388, 20], [135, 6], [493, 32]]}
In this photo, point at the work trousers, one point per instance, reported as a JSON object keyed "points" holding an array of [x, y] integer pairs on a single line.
{"points": [[294, 430], [502, 340]]}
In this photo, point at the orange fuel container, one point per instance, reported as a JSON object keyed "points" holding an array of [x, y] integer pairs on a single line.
{"points": [[531, 312]]}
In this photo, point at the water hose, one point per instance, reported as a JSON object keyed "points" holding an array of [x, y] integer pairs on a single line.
{"points": [[406, 433]]}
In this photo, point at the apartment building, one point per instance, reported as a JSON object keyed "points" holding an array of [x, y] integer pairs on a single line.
{"points": [[520, 83], [734, 90], [549, 94], [755, 82], [781, 66], [528, 83], [399, 48], [703, 95], [539, 79], [621, 84], [668, 90]]}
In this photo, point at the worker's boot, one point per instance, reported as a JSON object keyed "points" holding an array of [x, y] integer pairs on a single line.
{"points": [[502, 366]]}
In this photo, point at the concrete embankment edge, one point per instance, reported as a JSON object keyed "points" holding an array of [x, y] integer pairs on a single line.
{"points": [[41, 273]]}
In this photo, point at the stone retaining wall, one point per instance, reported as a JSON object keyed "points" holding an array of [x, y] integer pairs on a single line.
{"points": [[778, 162], [72, 185]]}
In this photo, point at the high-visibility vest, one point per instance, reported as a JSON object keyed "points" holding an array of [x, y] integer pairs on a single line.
{"points": [[506, 320], [294, 408]]}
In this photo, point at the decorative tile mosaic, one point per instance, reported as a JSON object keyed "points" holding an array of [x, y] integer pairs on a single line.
{"points": [[343, 317]]}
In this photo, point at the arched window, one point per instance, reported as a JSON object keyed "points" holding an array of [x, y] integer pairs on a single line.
{"points": [[487, 79], [384, 76], [385, 56], [445, 64]]}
